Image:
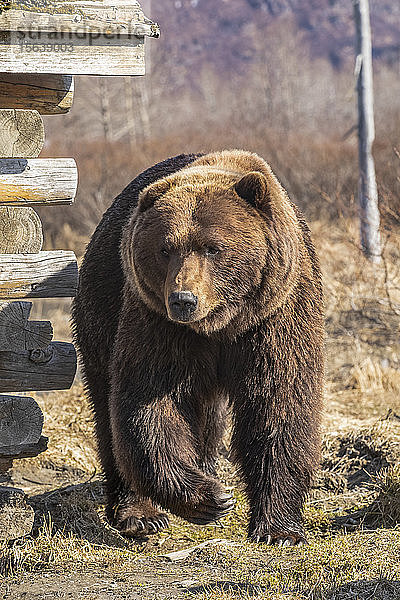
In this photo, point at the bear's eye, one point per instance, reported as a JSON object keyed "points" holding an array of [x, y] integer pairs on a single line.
{"points": [[164, 252], [211, 251]]}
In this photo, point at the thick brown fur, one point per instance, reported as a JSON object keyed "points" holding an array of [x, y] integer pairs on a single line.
{"points": [[219, 231]]}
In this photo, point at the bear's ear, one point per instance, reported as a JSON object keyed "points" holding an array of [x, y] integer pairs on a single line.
{"points": [[153, 192], [253, 188]]}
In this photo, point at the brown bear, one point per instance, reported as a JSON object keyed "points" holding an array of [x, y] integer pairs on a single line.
{"points": [[200, 290]]}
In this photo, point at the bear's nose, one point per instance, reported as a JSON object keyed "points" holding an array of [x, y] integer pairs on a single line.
{"points": [[182, 305]]}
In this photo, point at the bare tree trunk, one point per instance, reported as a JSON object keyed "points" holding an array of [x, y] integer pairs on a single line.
{"points": [[368, 194], [105, 109], [130, 113], [101, 191], [143, 106]]}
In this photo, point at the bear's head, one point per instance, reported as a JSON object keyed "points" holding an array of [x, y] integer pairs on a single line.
{"points": [[213, 245]]}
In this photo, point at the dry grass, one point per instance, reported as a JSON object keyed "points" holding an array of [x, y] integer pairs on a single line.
{"points": [[385, 509], [373, 376], [352, 516], [69, 425]]}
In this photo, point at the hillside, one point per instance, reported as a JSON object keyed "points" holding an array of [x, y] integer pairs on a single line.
{"points": [[228, 33]]}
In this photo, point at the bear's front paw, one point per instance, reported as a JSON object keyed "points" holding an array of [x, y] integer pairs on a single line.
{"points": [[278, 537], [212, 503], [137, 518], [138, 527]]}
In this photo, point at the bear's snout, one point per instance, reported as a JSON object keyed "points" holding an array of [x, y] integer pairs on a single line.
{"points": [[182, 305]]}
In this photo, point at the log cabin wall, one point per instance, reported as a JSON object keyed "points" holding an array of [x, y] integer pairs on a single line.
{"points": [[41, 50]]}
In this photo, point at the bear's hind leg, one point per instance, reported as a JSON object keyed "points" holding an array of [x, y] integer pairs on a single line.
{"points": [[277, 408]]}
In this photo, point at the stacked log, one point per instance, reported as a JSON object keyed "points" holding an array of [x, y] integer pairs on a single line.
{"points": [[29, 360]]}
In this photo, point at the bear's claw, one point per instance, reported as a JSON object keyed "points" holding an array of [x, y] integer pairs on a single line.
{"points": [[132, 526], [207, 512]]}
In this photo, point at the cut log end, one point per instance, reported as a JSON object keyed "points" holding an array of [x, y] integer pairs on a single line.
{"points": [[18, 333], [21, 421], [21, 133], [20, 230]]}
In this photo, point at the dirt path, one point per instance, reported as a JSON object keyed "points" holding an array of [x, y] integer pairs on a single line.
{"points": [[153, 579]]}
